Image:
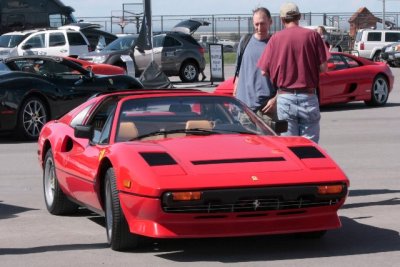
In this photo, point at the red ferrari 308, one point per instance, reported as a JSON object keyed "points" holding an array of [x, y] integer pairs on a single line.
{"points": [[349, 78], [186, 164]]}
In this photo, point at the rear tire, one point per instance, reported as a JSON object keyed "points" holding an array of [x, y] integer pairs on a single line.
{"points": [[56, 201], [379, 92], [118, 235], [189, 72]]}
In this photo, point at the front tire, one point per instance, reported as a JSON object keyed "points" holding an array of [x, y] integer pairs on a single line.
{"points": [[56, 201], [118, 235], [31, 118], [189, 72], [379, 92]]}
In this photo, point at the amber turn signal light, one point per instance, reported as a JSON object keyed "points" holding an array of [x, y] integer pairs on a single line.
{"points": [[330, 189], [186, 196], [127, 183]]}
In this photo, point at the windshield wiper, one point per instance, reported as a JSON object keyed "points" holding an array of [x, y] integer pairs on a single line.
{"points": [[198, 131]]}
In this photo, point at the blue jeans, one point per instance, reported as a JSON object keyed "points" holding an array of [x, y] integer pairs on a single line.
{"points": [[301, 111]]}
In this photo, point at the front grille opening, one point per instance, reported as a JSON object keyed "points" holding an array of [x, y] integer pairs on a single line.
{"points": [[254, 200]]}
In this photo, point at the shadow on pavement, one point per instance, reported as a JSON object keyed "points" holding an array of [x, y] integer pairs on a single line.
{"points": [[11, 211], [353, 238], [43, 249]]}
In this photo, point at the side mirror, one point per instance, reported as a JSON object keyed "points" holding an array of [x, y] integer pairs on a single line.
{"points": [[331, 66], [83, 131], [26, 46]]}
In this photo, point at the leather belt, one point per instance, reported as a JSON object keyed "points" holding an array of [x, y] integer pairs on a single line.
{"points": [[297, 91]]}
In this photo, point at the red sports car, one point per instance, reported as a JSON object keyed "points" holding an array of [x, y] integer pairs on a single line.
{"points": [[97, 68], [349, 78], [186, 164]]}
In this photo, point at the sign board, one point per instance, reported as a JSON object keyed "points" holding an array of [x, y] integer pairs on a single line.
{"points": [[216, 62]]}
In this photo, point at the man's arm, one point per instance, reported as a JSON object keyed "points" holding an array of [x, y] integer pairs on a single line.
{"points": [[323, 67]]}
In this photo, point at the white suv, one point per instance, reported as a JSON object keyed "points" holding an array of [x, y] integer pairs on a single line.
{"points": [[369, 42], [60, 42]]}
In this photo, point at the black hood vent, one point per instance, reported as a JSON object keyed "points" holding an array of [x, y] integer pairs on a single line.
{"points": [[245, 160], [158, 158], [307, 152]]}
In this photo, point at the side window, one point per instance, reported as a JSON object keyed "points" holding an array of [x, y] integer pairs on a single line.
{"points": [[80, 117], [158, 41], [102, 121], [36, 41], [392, 37], [170, 42], [76, 38], [56, 39], [351, 62], [106, 131], [374, 36]]}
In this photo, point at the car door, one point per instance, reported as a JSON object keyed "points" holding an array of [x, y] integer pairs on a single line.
{"points": [[57, 44], [33, 45], [83, 162], [171, 53], [143, 58], [73, 85]]}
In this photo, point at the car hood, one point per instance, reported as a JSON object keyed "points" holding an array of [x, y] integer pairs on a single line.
{"points": [[189, 26], [232, 160]]}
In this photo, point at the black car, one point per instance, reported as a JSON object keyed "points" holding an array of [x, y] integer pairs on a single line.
{"points": [[35, 89], [391, 54]]}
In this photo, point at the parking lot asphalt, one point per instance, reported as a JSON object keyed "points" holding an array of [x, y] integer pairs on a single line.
{"points": [[364, 141]]}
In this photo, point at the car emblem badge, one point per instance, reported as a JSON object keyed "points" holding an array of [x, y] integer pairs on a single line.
{"points": [[101, 154], [254, 178], [256, 204]]}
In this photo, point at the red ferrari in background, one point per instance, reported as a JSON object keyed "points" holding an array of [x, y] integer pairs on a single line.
{"points": [[349, 78], [98, 68], [186, 164]]}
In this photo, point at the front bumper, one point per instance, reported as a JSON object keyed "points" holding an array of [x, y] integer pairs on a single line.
{"points": [[151, 217]]}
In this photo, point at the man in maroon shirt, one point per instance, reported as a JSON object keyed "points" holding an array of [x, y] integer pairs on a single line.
{"points": [[293, 59]]}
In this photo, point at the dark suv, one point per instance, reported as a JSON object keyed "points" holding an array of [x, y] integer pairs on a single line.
{"points": [[176, 52]]}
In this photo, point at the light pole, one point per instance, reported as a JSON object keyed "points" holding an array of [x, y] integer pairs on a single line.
{"points": [[383, 15]]}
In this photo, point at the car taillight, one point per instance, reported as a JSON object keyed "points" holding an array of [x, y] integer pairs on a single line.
{"points": [[362, 46], [202, 50]]}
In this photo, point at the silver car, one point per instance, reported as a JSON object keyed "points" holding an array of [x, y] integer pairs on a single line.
{"points": [[176, 52]]}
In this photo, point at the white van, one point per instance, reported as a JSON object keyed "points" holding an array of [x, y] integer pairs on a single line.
{"points": [[369, 42], [60, 42]]}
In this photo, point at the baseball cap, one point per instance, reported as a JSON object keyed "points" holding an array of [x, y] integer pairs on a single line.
{"points": [[289, 10]]}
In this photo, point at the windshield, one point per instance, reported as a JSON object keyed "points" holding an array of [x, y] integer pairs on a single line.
{"points": [[121, 43], [10, 41], [155, 118]]}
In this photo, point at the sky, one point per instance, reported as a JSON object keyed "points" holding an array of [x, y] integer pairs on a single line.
{"points": [[106, 8]]}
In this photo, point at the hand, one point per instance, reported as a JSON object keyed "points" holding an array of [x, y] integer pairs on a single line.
{"points": [[270, 107]]}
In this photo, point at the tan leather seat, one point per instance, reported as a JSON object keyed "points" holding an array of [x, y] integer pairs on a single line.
{"points": [[127, 131], [199, 124]]}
